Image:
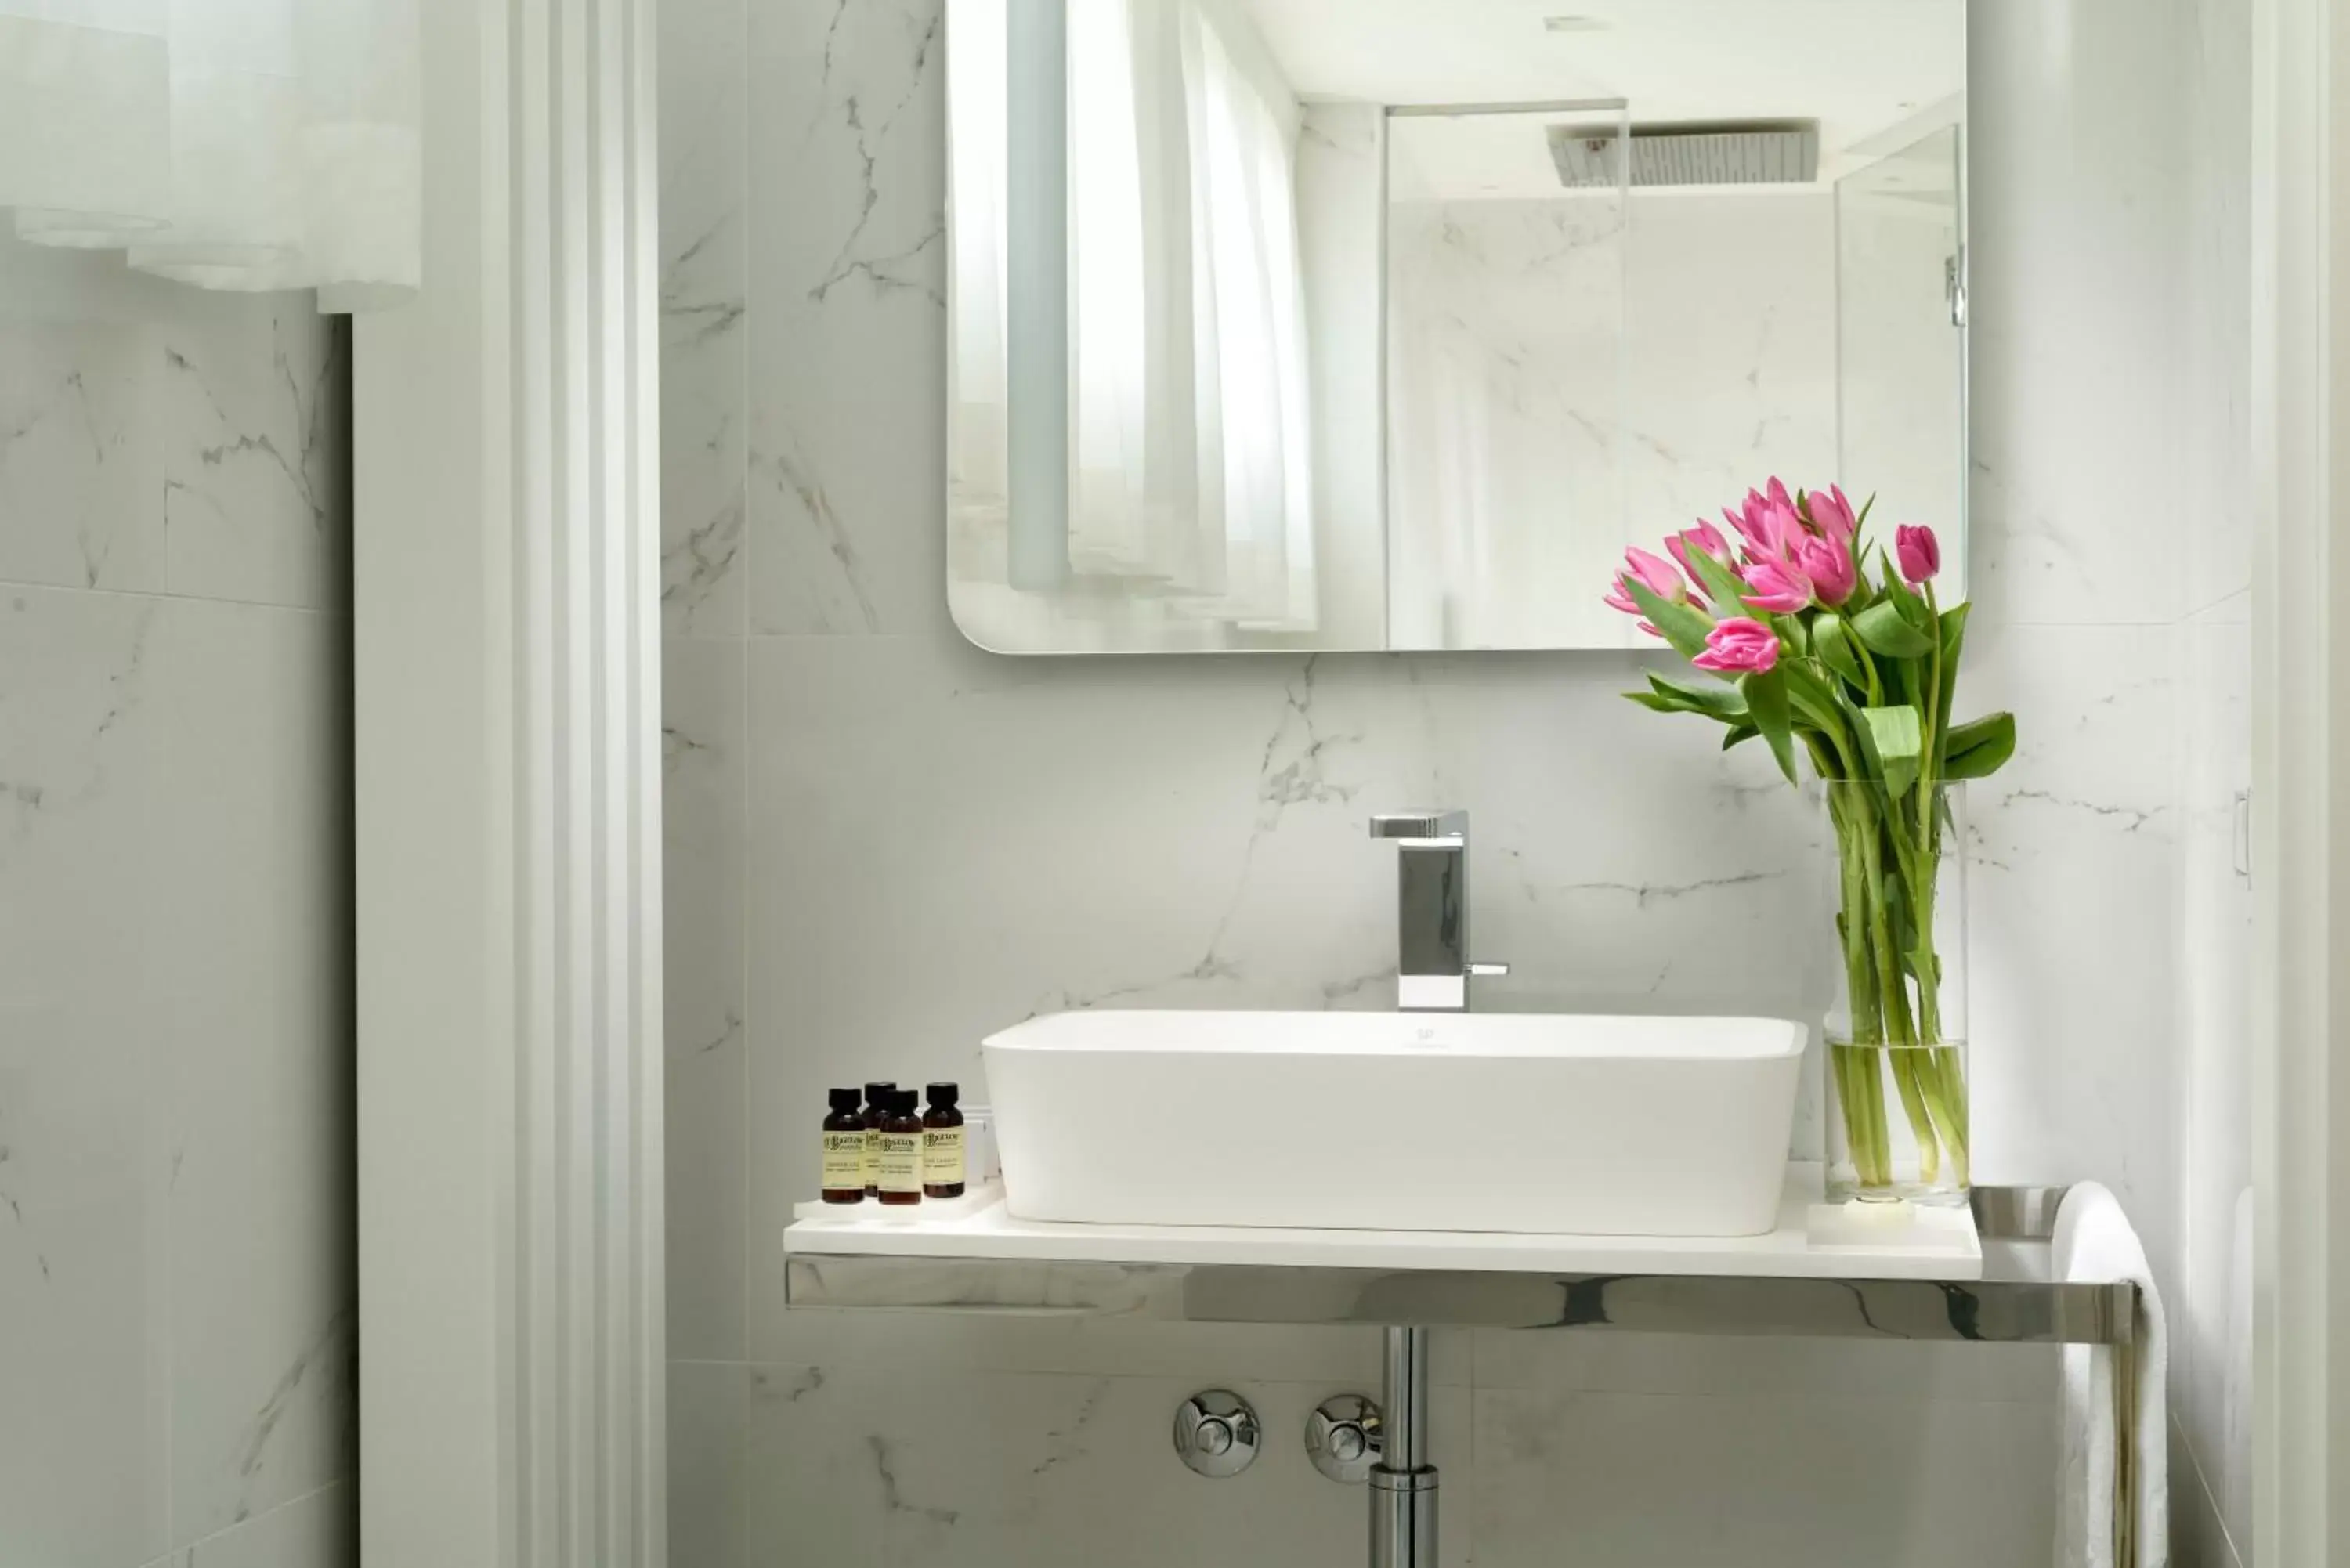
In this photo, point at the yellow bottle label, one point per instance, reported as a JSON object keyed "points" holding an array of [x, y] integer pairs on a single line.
{"points": [[844, 1161], [942, 1157], [902, 1162], [872, 1158]]}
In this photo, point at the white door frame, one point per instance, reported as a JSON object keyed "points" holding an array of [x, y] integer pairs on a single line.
{"points": [[2300, 784], [508, 761]]}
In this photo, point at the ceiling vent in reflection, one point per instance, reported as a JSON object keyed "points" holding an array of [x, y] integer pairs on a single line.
{"points": [[1739, 152]]}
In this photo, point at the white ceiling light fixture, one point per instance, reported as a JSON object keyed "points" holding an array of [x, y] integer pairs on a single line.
{"points": [[1575, 23]]}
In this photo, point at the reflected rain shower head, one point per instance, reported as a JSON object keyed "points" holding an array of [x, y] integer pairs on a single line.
{"points": [[1745, 152]]}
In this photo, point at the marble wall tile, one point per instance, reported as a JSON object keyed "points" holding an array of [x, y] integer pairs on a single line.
{"points": [[704, 89], [1341, 1358], [2079, 228], [848, 343], [703, 775], [2198, 1536], [2212, 1308], [83, 1463], [179, 1061], [1772, 1480], [81, 473], [873, 1465], [312, 1532], [2072, 913], [246, 964], [2216, 327], [257, 450], [709, 1453], [176, 1057]]}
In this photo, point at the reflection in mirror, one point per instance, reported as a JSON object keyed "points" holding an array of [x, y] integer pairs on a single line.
{"points": [[1389, 324]]}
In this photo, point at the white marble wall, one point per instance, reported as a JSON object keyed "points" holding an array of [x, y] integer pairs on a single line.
{"points": [[175, 1049], [883, 842]]}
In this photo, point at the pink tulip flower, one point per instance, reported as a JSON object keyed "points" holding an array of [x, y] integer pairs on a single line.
{"points": [[1832, 514], [1656, 574], [1704, 537], [1738, 645], [1777, 491], [1919, 552], [1768, 528], [1779, 586], [1828, 563]]}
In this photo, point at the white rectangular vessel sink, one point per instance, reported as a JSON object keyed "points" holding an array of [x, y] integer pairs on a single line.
{"points": [[1520, 1123]]}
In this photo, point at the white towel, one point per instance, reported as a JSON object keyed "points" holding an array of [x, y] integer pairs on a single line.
{"points": [[2093, 1242]]}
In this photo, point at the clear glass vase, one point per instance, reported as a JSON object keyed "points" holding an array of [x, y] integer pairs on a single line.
{"points": [[1896, 1056]]}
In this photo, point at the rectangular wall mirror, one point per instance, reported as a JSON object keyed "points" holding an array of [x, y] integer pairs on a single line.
{"points": [[1390, 324]]}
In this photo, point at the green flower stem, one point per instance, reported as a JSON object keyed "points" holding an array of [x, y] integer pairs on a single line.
{"points": [[1889, 855], [1905, 1079], [1952, 1075]]}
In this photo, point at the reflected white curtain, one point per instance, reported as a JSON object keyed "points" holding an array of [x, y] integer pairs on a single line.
{"points": [[231, 144], [978, 154], [1190, 445]]}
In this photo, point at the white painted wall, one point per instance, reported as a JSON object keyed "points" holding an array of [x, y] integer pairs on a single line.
{"points": [[883, 843], [176, 1138]]}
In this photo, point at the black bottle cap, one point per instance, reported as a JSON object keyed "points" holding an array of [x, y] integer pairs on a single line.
{"points": [[844, 1100], [878, 1094], [945, 1093], [909, 1101]]}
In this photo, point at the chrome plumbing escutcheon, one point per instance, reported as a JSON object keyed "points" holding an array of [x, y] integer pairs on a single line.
{"points": [[1344, 1439], [1217, 1433]]}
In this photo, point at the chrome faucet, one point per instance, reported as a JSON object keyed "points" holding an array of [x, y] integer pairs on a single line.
{"points": [[1432, 964]]}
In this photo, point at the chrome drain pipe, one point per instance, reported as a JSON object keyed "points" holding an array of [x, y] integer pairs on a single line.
{"points": [[1403, 1483]]}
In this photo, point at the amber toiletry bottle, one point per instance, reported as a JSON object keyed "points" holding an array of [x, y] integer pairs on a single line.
{"points": [[844, 1149], [942, 1160], [901, 1151], [876, 1105]]}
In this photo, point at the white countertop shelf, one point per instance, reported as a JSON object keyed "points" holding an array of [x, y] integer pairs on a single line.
{"points": [[1982, 1275], [1813, 1241]]}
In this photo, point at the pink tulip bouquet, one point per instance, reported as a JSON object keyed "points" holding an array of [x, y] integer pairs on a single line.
{"points": [[1798, 643]]}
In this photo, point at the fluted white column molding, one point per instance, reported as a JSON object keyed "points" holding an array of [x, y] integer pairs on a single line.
{"points": [[507, 686], [2300, 784]]}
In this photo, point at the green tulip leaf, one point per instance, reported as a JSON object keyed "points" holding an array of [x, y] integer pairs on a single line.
{"points": [[1895, 743], [1714, 697], [1883, 628], [1739, 736], [1724, 587], [1832, 643], [1954, 642], [1980, 748], [1684, 626], [1766, 706], [1914, 609], [1954, 632]]}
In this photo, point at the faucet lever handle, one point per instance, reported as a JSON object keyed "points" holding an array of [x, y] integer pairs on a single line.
{"points": [[1488, 970], [1451, 825]]}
